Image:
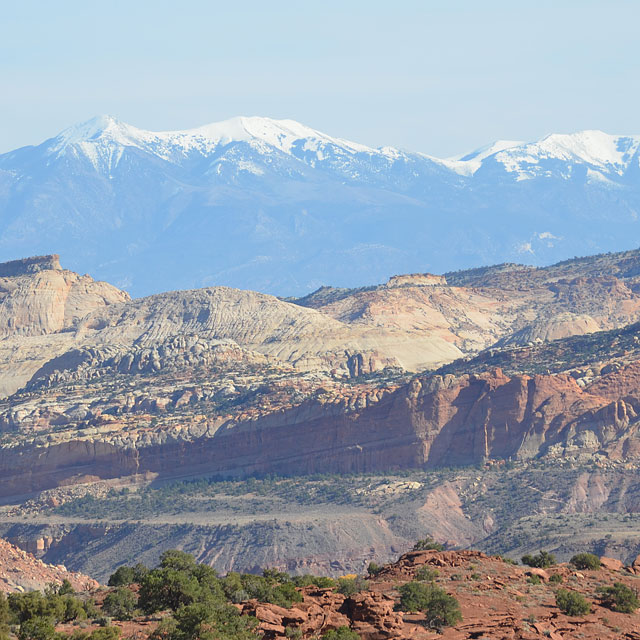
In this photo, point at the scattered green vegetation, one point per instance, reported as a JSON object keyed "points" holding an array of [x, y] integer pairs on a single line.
{"points": [[541, 560], [428, 544], [252, 494], [556, 578], [585, 561], [554, 356], [351, 586], [4, 616], [440, 609], [36, 613], [620, 598], [341, 633], [427, 574], [125, 575], [120, 604], [572, 603]]}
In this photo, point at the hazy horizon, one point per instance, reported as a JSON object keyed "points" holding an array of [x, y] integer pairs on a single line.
{"points": [[442, 78]]}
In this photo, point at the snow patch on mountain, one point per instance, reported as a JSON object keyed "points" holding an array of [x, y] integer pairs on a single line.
{"points": [[94, 137], [600, 151], [104, 139]]}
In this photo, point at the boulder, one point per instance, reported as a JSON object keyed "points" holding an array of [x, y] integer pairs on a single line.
{"points": [[534, 571], [612, 564], [270, 613]]}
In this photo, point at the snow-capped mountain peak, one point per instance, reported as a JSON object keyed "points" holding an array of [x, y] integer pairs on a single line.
{"points": [[281, 134], [104, 139], [597, 150], [591, 146], [100, 127], [277, 206], [106, 133]]}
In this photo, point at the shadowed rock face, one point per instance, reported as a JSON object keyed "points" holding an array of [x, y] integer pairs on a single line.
{"points": [[433, 421], [30, 265]]}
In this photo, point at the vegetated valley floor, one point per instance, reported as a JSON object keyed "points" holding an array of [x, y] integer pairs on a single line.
{"points": [[297, 523]]}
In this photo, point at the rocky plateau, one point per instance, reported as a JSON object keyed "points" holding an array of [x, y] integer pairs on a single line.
{"points": [[504, 365]]}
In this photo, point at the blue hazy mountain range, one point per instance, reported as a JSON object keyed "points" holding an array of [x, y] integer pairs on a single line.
{"points": [[276, 206]]}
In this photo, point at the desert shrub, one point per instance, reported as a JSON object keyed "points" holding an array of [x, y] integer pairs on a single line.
{"points": [[167, 589], [541, 560], [65, 588], [74, 609], [24, 606], [440, 609], [178, 560], [341, 633], [572, 603], [120, 604], [507, 560], [427, 544], [585, 561], [240, 587], [139, 572], [351, 586], [48, 605], [4, 610], [177, 582], [374, 569], [273, 576], [426, 574], [414, 596], [122, 577], [443, 610], [37, 628], [620, 598], [200, 620], [165, 630], [324, 583], [284, 595], [534, 580], [295, 633], [319, 581], [556, 578]]}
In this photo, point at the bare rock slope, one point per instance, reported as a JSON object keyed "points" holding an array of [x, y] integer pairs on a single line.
{"points": [[20, 571]]}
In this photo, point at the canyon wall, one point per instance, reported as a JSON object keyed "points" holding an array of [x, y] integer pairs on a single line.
{"points": [[431, 421]]}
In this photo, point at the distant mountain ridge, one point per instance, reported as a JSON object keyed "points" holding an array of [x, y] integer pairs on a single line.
{"points": [[279, 207]]}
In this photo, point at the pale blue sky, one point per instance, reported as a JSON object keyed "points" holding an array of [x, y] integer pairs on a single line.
{"points": [[440, 77]]}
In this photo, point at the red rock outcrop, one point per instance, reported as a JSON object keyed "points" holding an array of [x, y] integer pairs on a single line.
{"points": [[433, 421], [20, 571], [496, 600]]}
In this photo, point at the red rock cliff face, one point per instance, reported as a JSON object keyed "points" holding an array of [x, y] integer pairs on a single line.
{"points": [[430, 421]]}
